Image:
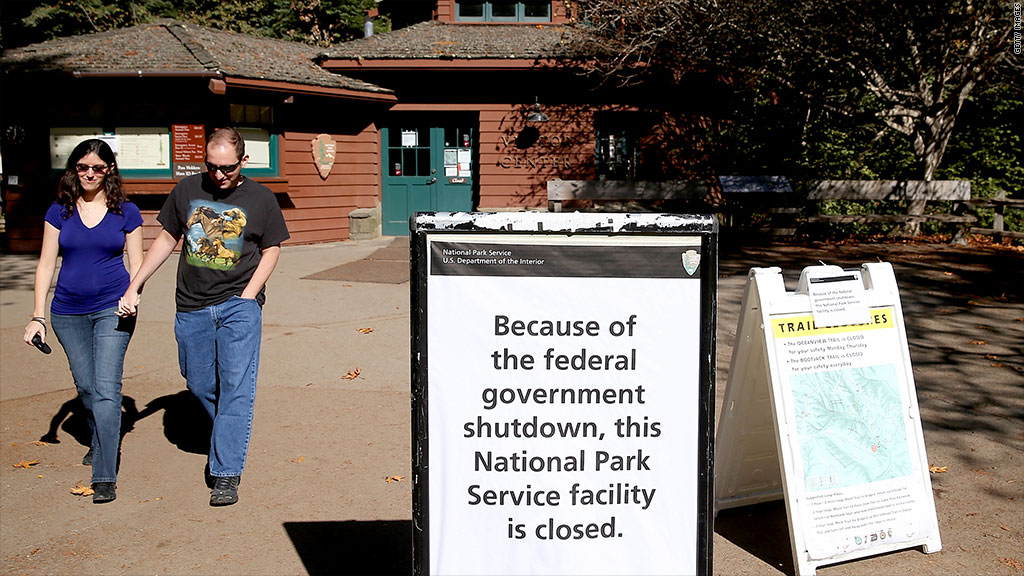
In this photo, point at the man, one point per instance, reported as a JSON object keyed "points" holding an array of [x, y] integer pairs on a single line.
{"points": [[232, 229]]}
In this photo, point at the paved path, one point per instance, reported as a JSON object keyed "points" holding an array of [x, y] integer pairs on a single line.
{"points": [[314, 498]]}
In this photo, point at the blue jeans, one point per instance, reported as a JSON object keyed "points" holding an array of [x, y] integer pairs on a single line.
{"points": [[219, 354], [95, 344]]}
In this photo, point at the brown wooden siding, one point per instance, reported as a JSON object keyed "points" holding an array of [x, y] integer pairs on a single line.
{"points": [[316, 209], [514, 176]]}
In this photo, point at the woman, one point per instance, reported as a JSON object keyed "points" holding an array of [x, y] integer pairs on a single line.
{"points": [[90, 225]]}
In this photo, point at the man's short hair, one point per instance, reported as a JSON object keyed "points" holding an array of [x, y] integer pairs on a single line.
{"points": [[228, 137]]}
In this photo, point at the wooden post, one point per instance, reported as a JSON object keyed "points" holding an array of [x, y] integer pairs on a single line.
{"points": [[997, 216]]}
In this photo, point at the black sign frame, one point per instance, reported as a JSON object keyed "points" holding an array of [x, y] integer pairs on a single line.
{"points": [[426, 224]]}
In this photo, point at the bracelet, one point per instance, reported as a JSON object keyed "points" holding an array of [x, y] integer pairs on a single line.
{"points": [[39, 319]]}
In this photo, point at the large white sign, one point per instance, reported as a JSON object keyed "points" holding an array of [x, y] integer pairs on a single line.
{"points": [[564, 387]]}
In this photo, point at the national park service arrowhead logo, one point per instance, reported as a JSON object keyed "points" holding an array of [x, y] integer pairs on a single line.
{"points": [[324, 151], [691, 259]]}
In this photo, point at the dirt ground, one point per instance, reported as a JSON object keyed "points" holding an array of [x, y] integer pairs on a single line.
{"points": [[327, 486]]}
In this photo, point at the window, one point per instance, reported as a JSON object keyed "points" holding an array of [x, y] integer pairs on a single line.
{"points": [[503, 11], [619, 140], [140, 151], [146, 151], [254, 122]]}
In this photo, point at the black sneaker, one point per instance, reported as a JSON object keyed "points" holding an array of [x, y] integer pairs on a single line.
{"points": [[87, 459], [103, 492], [225, 491]]}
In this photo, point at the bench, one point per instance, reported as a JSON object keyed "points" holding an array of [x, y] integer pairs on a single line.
{"points": [[560, 191], [915, 193], [999, 203]]}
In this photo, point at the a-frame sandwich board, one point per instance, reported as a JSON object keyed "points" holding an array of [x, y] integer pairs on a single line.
{"points": [[821, 409]]}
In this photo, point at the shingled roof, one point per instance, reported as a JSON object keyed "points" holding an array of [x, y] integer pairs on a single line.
{"points": [[443, 41], [169, 47]]}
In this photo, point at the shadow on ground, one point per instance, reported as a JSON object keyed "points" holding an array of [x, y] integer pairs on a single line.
{"points": [[371, 548], [765, 541], [186, 423]]}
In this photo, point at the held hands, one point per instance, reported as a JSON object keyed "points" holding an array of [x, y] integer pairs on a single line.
{"points": [[128, 305]]}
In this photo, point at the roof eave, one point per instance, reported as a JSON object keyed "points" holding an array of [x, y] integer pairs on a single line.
{"points": [[342, 65], [309, 89]]}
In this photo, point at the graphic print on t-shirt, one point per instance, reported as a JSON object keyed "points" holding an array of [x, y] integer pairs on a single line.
{"points": [[214, 235]]}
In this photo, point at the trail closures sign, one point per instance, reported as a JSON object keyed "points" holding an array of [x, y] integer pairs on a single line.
{"points": [[563, 393], [820, 409]]}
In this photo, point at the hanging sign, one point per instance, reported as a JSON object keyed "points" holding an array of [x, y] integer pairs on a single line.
{"points": [[188, 149], [821, 409], [563, 391], [324, 152]]}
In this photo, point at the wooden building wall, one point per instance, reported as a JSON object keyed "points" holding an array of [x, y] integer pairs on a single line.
{"points": [[518, 158]]}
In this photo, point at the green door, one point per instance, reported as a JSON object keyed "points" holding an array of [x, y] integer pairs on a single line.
{"points": [[427, 168]]}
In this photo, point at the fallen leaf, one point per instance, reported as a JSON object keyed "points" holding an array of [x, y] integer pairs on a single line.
{"points": [[1013, 563], [40, 476], [1007, 528], [158, 498], [991, 357], [310, 384], [982, 471], [299, 460], [364, 330], [32, 553], [80, 490], [390, 479], [26, 464], [945, 311], [978, 342], [41, 443], [997, 364], [947, 273], [143, 501], [972, 513], [975, 303], [351, 374], [937, 469]]}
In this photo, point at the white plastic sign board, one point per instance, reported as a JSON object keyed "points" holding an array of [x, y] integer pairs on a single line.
{"points": [[563, 394], [820, 409]]}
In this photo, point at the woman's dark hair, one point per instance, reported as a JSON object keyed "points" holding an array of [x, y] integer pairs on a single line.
{"points": [[69, 189]]}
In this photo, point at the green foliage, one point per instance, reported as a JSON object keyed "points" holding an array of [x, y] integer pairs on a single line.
{"points": [[319, 22]]}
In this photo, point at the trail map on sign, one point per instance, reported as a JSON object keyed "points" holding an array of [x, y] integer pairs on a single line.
{"points": [[850, 427]]}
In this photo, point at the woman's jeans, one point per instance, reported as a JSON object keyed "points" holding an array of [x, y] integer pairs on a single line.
{"points": [[95, 345], [219, 354]]}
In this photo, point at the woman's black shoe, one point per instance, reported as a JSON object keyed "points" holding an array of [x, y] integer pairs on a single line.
{"points": [[103, 492], [87, 459]]}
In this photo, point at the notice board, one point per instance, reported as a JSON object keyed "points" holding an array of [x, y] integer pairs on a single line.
{"points": [[563, 393], [821, 409]]}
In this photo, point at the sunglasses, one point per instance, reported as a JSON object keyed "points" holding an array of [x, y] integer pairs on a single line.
{"points": [[97, 168], [211, 168]]}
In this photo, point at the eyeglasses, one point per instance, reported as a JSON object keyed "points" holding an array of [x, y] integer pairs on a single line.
{"points": [[97, 168], [211, 168]]}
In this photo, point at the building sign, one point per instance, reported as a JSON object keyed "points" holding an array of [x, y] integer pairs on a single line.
{"points": [[568, 428], [188, 149], [325, 149], [831, 361]]}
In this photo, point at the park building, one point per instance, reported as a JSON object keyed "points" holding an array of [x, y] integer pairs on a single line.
{"points": [[470, 106]]}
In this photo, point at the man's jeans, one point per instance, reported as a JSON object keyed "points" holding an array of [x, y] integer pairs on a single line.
{"points": [[219, 354], [95, 345]]}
